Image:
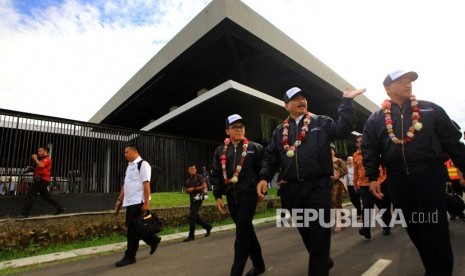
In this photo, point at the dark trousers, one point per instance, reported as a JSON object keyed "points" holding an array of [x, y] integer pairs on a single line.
{"points": [[422, 193], [312, 194], [355, 199], [369, 202], [132, 213], [195, 218], [38, 187], [242, 210], [458, 189]]}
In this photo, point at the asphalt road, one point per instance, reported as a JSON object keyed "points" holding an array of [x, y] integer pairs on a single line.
{"points": [[283, 251]]}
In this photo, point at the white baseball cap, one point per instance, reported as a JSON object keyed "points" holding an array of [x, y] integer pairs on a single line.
{"points": [[291, 93], [233, 118], [395, 75]]}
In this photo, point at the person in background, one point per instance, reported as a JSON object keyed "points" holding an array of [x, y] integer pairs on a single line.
{"points": [[42, 178], [195, 187], [362, 184], [206, 176], [2, 187], [135, 197], [340, 171], [11, 186], [353, 194]]}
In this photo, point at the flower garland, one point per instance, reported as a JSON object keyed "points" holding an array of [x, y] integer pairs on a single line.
{"points": [[235, 177], [290, 150], [416, 125]]}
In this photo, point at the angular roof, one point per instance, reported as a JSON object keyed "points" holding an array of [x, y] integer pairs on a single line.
{"points": [[227, 43]]}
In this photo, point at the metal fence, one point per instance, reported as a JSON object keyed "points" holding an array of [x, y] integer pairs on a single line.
{"points": [[89, 158]]}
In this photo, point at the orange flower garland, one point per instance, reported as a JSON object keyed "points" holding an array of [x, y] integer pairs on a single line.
{"points": [[235, 177], [290, 150], [416, 125]]}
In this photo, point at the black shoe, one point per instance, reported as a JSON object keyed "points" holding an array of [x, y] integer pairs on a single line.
{"points": [[386, 231], [208, 231], [365, 233], [125, 261], [188, 239], [330, 263], [255, 271], [59, 211], [22, 216], [154, 246]]}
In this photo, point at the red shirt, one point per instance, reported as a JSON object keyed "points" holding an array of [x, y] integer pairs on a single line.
{"points": [[45, 170]]}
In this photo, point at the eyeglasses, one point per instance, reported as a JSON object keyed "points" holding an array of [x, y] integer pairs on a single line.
{"points": [[405, 82], [237, 127]]}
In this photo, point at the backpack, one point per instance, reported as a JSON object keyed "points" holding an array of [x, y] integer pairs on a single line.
{"points": [[152, 183]]}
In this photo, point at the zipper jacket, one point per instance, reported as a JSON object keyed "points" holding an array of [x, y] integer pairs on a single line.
{"points": [[312, 158], [248, 177], [432, 144]]}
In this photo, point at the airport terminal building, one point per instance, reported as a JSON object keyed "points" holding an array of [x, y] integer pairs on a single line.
{"points": [[227, 60]]}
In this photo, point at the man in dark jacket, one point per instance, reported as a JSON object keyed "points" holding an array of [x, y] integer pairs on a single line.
{"points": [[235, 173], [195, 186], [301, 147], [413, 139]]}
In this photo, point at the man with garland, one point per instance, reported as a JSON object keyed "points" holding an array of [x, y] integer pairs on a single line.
{"points": [[235, 169], [413, 139], [301, 148]]}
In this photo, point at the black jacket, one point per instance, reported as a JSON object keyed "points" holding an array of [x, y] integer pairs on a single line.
{"points": [[438, 139], [248, 177], [312, 158]]}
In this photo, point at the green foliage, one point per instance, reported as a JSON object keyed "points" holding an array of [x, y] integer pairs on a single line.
{"points": [[34, 249], [175, 199]]}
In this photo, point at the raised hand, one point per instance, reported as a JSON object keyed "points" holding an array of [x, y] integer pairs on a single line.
{"points": [[354, 93]]}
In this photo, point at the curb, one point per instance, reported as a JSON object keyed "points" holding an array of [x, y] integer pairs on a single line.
{"points": [[110, 247]]}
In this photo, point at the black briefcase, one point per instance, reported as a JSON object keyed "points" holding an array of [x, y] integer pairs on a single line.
{"points": [[455, 204], [148, 224]]}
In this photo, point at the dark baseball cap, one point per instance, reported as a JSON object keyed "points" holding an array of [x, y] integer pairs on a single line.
{"points": [[393, 76]]}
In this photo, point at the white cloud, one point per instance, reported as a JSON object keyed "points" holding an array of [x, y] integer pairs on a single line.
{"points": [[69, 59], [363, 40]]}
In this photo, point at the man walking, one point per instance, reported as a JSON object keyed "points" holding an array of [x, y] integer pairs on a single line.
{"points": [[413, 139], [41, 178], [195, 186], [235, 173], [301, 147], [135, 196]]}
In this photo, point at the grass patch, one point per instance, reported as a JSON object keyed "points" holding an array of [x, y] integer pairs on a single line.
{"points": [[177, 199], [98, 241]]}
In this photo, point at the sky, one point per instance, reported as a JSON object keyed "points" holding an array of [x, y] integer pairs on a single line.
{"points": [[67, 58]]}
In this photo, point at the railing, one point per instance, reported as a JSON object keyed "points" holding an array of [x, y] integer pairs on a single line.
{"points": [[89, 158]]}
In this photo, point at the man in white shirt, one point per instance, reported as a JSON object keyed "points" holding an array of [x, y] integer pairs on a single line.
{"points": [[135, 196]]}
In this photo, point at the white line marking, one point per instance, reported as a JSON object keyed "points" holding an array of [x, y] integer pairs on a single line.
{"points": [[377, 267]]}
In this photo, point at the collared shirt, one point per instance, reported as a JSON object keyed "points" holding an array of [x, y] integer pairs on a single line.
{"points": [[360, 178], [350, 175], [44, 172], [134, 182], [297, 121]]}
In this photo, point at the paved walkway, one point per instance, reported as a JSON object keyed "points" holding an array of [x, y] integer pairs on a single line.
{"points": [[110, 247], [283, 251]]}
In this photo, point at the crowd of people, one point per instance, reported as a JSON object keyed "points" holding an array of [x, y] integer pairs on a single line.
{"points": [[409, 152], [401, 162]]}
